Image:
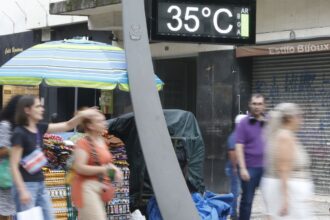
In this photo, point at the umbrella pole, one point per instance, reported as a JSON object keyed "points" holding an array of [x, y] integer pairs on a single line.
{"points": [[75, 99], [75, 104], [94, 97]]}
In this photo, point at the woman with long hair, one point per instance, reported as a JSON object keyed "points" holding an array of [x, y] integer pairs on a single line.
{"points": [[286, 185], [92, 165], [7, 124], [26, 157]]}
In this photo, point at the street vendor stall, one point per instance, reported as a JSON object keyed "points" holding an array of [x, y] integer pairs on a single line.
{"points": [[78, 63], [74, 63], [58, 152]]}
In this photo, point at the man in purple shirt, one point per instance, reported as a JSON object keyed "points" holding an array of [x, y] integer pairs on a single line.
{"points": [[249, 150]]}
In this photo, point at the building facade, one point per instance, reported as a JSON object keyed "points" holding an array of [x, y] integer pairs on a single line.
{"points": [[215, 81]]}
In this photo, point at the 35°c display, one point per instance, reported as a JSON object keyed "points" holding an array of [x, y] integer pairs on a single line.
{"points": [[204, 21]]}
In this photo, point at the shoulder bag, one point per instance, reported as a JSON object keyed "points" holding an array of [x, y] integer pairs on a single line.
{"points": [[34, 162], [108, 191]]}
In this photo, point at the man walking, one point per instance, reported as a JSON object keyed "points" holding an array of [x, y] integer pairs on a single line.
{"points": [[249, 150]]}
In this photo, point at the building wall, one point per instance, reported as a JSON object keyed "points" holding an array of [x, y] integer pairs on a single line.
{"points": [[281, 15], [10, 46], [223, 83], [31, 14], [303, 19], [275, 21], [220, 79]]}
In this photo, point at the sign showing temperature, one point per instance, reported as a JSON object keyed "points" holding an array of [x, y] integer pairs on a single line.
{"points": [[204, 21]]}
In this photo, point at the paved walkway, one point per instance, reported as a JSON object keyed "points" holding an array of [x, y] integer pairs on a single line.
{"points": [[321, 207]]}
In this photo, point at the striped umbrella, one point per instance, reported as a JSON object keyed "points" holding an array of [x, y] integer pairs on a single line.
{"points": [[70, 63]]}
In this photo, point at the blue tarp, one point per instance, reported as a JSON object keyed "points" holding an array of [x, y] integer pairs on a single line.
{"points": [[210, 206]]}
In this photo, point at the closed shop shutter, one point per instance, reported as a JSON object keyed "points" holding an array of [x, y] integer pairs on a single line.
{"points": [[305, 80]]}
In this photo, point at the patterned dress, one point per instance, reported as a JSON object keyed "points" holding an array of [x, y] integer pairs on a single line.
{"points": [[7, 206]]}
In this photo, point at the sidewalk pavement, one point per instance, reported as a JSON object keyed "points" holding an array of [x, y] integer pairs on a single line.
{"points": [[321, 207]]}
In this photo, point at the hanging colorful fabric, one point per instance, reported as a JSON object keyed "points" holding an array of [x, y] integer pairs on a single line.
{"points": [[70, 173]]}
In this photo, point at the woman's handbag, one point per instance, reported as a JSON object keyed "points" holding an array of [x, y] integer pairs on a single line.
{"points": [[108, 191], [6, 181], [33, 162]]}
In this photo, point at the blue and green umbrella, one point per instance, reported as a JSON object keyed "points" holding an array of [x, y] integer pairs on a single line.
{"points": [[70, 63]]}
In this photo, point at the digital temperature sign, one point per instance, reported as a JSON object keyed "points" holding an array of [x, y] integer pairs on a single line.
{"points": [[209, 21]]}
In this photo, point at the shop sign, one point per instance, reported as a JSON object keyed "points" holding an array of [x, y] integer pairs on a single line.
{"points": [[209, 21], [13, 50], [11, 45], [284, 49]]}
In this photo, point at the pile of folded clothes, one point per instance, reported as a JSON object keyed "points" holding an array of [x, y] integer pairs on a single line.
{"points": [[57, 151]]}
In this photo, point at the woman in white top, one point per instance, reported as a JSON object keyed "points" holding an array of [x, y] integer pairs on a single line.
{"points": [[286, 185]]}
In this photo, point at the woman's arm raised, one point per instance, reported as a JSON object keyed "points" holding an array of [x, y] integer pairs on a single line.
{"points": [[73, 122]]}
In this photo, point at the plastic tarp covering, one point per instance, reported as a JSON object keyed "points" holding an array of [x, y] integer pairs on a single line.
{"points": [[185, 133]]}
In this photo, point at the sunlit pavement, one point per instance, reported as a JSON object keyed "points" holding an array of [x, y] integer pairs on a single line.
{"points": [[321, 207]]}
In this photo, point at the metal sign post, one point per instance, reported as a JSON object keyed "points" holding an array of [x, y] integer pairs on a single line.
{"points": [[172, 194]]}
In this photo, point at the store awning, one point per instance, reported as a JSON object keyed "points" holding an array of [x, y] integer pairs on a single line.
{"points": [[70, 63], [284, 49]]}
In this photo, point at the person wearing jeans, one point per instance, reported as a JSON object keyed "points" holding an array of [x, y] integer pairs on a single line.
{"points": [[39, 197], [27, 140], [249, 150], [248, 190], [231, 168], [231, 172]]}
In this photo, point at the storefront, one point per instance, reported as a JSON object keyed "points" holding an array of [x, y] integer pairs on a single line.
{"points": [[179, 75], [10, 45], [299, 73], [214, 85]]}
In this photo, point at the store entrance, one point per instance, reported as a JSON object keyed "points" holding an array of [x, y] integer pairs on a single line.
{"points": [[179, 76]]}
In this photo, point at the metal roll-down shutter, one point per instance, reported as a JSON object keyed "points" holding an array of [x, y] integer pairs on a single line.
{"points": [[305, 80]]}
